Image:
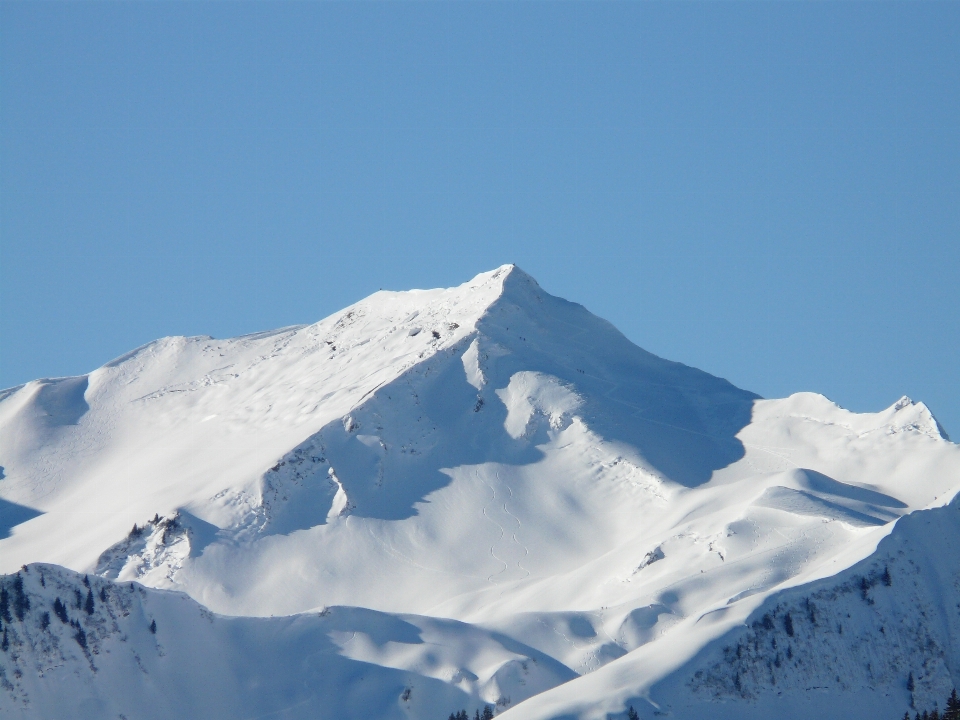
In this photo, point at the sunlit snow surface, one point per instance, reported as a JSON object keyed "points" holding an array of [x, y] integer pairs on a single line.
{"points": [[468, 496]]}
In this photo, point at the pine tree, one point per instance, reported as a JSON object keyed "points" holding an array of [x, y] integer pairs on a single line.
{"points": [[21, 603], [910, 683], [787, 625], [5, 643], [5, 605], [88, 606], [487, 713], [60, 610], [632, 714], [953, 707], [153, 626]]}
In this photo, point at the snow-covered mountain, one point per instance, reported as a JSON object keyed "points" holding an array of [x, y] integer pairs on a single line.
{"points": [[447, 499]]}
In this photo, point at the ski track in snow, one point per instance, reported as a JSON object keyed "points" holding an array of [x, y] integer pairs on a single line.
{"points": [[526, 551], [499, 527], [769, 451], [281, 712]]}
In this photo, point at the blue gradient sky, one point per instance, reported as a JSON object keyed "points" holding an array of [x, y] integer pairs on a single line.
{"points": [[768, 191]]}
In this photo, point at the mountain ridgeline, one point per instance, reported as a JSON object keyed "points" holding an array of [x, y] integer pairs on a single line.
{"points": [[479, 501]]}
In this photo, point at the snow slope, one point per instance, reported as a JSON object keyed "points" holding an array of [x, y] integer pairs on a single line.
{"points": [[843, 646], [488, 455], [120, 650]]}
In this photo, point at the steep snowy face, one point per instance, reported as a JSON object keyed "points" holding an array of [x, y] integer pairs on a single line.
{"points": [[196, 421], [489, 453]]}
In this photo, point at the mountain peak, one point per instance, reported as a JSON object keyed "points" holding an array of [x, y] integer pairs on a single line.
{"points": [[517, 283], [513, 274], [490, 454], [511, 278]]}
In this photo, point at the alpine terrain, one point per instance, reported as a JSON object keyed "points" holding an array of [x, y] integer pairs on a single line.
{"points": [[481, 499]]}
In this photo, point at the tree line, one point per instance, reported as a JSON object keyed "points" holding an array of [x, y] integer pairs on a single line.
{"points": [[951, 713]]}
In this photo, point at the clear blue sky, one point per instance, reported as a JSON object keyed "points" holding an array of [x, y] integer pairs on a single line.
{"points": [[769, 191]]}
